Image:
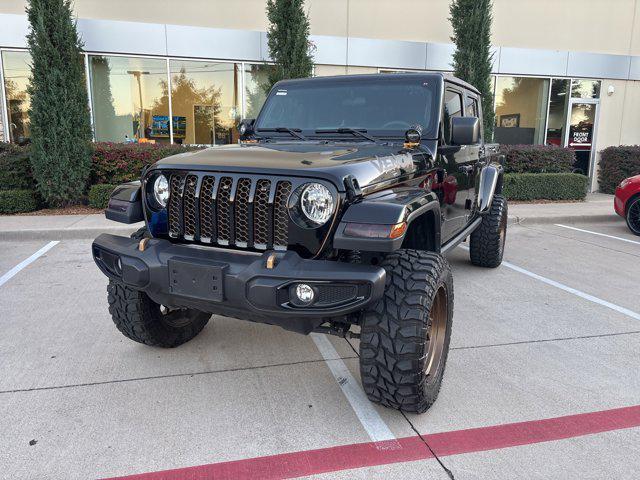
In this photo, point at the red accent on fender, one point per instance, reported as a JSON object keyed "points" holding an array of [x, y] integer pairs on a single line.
{"points": [[345, 457]]}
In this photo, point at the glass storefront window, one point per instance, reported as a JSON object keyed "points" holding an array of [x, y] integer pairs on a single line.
{"points": [[204, 100], [585, 88], [130, 99], [256, 88], [521, 110], [17, 71], [558, 102]]}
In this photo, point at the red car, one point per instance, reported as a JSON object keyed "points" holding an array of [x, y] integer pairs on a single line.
{"points": [[627, 202]]}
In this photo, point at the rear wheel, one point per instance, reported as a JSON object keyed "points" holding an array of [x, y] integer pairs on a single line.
{"points": [[486, 246], [405, 336], [633, 215], [144, 321]]}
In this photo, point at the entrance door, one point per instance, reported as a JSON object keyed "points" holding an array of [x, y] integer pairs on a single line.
{"points": [[581, 121]]}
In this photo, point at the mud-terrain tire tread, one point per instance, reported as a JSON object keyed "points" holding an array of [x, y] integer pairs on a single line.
{"points": [[485, 247], [394, 332], [139, 319]]}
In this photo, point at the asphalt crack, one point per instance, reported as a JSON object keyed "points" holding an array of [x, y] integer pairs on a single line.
{"points": [[172, 375], [545, 340], [447, 471], [424, 440]]}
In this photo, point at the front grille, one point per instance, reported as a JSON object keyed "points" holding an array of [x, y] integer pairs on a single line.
{"points": [[230, 210]]}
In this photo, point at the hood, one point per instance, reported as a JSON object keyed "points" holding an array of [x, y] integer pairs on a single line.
{"points": [[368, 163]]}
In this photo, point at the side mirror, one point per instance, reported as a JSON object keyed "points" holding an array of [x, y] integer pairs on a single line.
{"points": [[245, 128], [465, 130]]}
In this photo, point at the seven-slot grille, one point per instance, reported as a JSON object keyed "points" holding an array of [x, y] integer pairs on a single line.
{"points": [[229, 210]]}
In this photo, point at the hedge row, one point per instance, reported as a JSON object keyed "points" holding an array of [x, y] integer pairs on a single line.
{"points": [[537, 159], [616, 164], [115, 163], [17, 201], [15, 167], [545, 186], [99, 195]]}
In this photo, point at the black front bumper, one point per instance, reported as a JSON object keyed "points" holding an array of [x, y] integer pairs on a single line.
{"points": [[237, 283]]}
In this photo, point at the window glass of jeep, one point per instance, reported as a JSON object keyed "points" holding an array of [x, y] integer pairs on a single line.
{"points": [[452, 108], [382, 107], [471, 107]]}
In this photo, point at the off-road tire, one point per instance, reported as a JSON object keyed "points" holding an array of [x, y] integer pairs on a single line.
{"points": [[142, 320], [394, 344], [633, 215], [486, 245]]}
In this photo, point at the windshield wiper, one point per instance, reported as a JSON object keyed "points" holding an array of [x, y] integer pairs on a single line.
{"points": [[359, 132], [291, 131]]}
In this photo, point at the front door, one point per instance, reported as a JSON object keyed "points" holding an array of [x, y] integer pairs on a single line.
{"points": [[455, 166], [580, 130]]}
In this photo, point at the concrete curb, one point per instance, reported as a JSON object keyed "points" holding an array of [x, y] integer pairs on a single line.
{"points": [[546, 220], [92, 232], [64, 234]]}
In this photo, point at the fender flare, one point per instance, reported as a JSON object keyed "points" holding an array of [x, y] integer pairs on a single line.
{"points": [[125, 204], [489, 183], [389, 208]]}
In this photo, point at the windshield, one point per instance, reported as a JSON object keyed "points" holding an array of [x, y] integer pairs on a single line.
{"points": [[386, 106]]}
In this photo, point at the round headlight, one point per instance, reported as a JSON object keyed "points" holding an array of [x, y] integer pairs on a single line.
{"points": [[317, 203], [161, 190]]}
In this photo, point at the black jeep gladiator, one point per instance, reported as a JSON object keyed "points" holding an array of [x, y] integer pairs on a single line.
{"points": [[331, 215]]}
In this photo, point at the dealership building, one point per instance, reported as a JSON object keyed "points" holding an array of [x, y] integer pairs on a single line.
{"points": [[566, 72]]}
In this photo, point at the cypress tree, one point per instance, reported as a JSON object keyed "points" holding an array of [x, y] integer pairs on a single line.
{"points": [[472, 60], [59, 112], [288, 40]]}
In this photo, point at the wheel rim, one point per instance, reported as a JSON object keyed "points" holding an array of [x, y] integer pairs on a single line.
{"points": [[633, 216], [503, 232], [437, 332], [175, 318]]}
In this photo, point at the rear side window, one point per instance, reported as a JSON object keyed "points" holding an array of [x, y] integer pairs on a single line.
{"points": [[452, 108]]}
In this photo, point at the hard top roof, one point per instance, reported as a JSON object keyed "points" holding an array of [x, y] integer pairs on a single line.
{"points": [[360, 77]]}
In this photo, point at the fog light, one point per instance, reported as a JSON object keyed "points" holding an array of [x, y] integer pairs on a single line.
{"points": [[304, 293]]}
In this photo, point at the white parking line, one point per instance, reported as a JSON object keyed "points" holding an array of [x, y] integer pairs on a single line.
{"points": [[578, 293], [597, 233], [366, 413], [11, 273]]}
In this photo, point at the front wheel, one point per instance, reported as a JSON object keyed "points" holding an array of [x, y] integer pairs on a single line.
{"points": [[486, 246], [142, 320], [405, 336], [633, 216]]}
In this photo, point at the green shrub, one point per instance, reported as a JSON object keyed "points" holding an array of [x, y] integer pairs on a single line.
{"points": [[59, 116], [17, 201], [537, 159], [545, 186], [116, 163], [616, 164], [99, 195], [15, 168]]}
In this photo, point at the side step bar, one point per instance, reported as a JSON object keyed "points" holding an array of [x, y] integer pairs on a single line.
{"points": [[455, 241]]}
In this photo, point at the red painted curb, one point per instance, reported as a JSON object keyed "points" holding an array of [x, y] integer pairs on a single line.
{"points": [[346, 457]]}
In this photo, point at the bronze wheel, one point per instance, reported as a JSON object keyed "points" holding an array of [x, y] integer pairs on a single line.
{"points": [[436, 333], [405, 336]]}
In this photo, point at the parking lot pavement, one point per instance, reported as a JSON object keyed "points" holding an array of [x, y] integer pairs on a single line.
{"points": [[554, 332]]}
